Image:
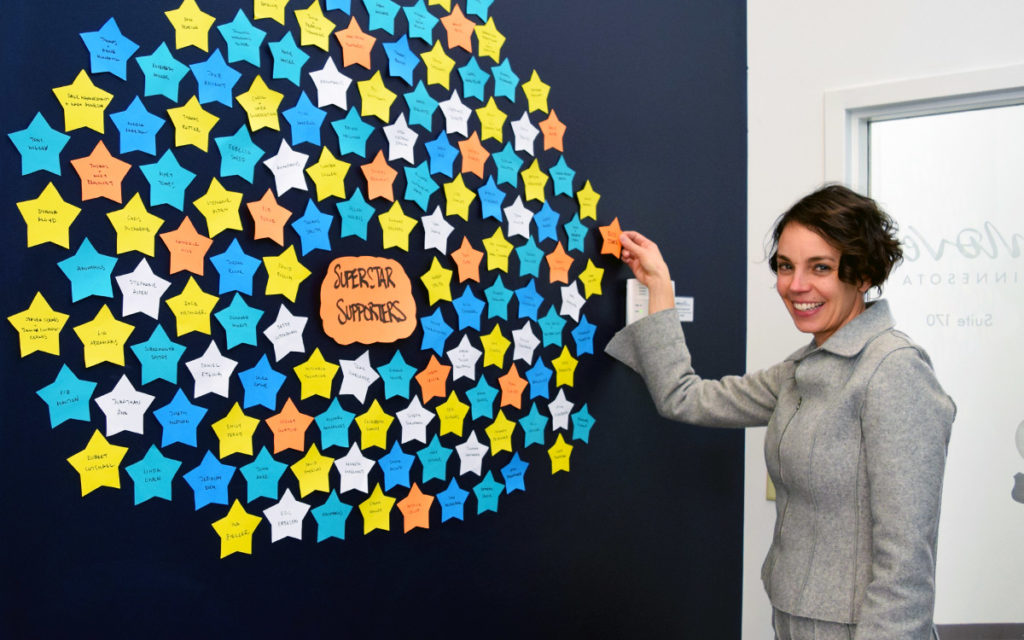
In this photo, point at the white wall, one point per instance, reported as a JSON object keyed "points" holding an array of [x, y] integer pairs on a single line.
{"points": [[797, 50]]}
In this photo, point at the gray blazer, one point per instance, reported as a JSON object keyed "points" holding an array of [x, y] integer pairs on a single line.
{"points": [[856, 446]]}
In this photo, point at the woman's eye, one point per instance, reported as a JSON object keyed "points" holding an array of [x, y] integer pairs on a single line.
{"points": [[785, 267], [822, 268]]}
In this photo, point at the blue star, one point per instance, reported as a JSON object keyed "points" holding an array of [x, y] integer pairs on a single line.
{"points": [[421, 106], [239, 321], [509, 163], [89, 272], [355, 214], [551, 325], [67, 397], [332, 514], [334, 424], [243, 40], [153, 475], [305, 120], [209, 481], [179, 419], [401, 59], [442, 154], [162, 73], [491, 199], [352, 133], [505, 80], [469, 308], [513, 473], [487, 493], [167, 181], [381, 14], [452, 501], [529, 300], [313, 228], [583, 335], [159, 356], [215, 79], [238, 154], [434, 459], [582, 422], [498, 297], [530, 257], [396, 465], [539, 377], [137, 128], [397, 376], [478, 8], [109, 51], [534, 425], [261, 384], [262, 476], [421, 22], [562, 175], [576, 232], [341, 5], [419, 186], [236, 269], [481, 399], [473, 79], [547, 223], [40, 146], [288, 59], [435, 332]]}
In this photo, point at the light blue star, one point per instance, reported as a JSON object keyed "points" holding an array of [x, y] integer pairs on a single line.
{"points": [[167, 181], [397, 376], [539, 377], [109, 51], [334, 424], [159, 356], [478, 8], [487, 493], [261, 384], [530, 257], [402, 61], [421, 22], [162, 73], [89, 272], [381, 14], [435, 332], [509, 163], [505, 80], [491, 200], [355, 214], [288, 59], [513, 474], [442, 155], [39, 145], [419, 186], [396, 465], [352, 133], [498, 297], [547, 223], [583, 335], [421, 106], [481, 399], [239, 322], [474, 79], [576, 233], [313, 229], [215, 79], [243, 39], [529, 300], [452, 501], [582, 422], [305, 120], [434, 459], [179, 419], [562, 175], [341, 5], [236, 269], [209, 481], [469, 308], [332, 514], [153, 475], [67, 397], [137, 128], [238, 154], [534, 425], [262, 476], [551, 325]]}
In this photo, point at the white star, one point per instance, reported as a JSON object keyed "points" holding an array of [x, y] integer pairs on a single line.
{"points": [[285, 517], [456, 115], [525, 134], [357, 376], [141, 290], [124, 406], [286, 333], [572, 301], [212, 372], [354, 469], [464, 358], [331, 86], [415, 419], [288, 169], [436, 231], [401, 140], [471, 455], [560, 409], [525, 341], [519, 218]]}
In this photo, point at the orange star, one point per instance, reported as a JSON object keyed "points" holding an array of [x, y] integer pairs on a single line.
{"points": [[433, 379], [512, 385], [415, 508], [473, 154], [101, 174], [610, 234], [270, 218], [467, 259], [380, 178], [459, 29], [553, 130], [559, 263], [355, 45], [289, 428], [187, 246]]}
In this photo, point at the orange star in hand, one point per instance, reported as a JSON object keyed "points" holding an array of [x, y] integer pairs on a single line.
{"points": [[512, 386], [559, 263], [187, 247], [467, 259], [355, 45], [380, 178], [433, 379], [473, 154], [553, 130], [610, 235], [459, 29], [270, 218], [289, 428], [101, 174], [415, 509]]}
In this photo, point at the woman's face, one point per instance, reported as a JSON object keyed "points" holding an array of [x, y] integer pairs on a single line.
{"points": [[808, 282]]}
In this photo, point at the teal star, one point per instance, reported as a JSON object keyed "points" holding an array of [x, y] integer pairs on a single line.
{"points": [[422, 106], [313, 228], [167, 181], [481, 399], [491, 199], [179, 419], [355, 214], [236, 269], [487, 493], [582, 422], [419, 186], [529, 300], [159, 356], [153, 475], [382, 14], [513, 473], [334, 424], [67, 397], [330, 518], [162, 73], [478, 8], [421, 22], [551, 325], [539, 377], [505, 80], [498, 297], [397, 376], [243, 40], [576, 233], [239, 322], [262, 476], [562, 175], [288, 59], [137, 128], [509, 163], [534, 425], [39, 145], [89, 272], [474, 80], [109, 50], [530, 258], [215, 79], [238, 154], [434, 459], [352, 133]]}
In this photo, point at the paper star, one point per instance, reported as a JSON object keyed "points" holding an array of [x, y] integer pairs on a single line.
{"points": [[582, 422], [508, 164], [473, 79], [334, 424], [352, 133], [481, 399], [419, 186], [167, 181], [498, 297], [40, 145], [572, 301], [191, 308], [433, 379], [376, 511], [452, 501], [191, 26], [471, 455], [583, 335], [234, 432], [536, 93], [357, 376], [547, 223], [269, 218], [559, 454], [162, 73], [492, 198], [467, 259], [261, 385], [382, 14], [312, 471], [109, 50], [414, 420], [576, 233], [395, 227], [153, 475], [560, 409], [436, 231], [314, 27], [179, 419], [519, 218], [478, 8], [355, 215], [331, 85], [513, 473], [284, 273], [464, 358], [287, 167], [421, 22], [610, 238], [288, 59], [498, 251], [239, 322], [415, 508], [458, 197], [316, 376], [313, 228], [328, 175], [354, 469], [67, 397], [396, 465], [505, 80], [434, 460], [260, 103], [553, 131], [159, 357], [529, 300], [539, 378], [438, 281], [286, 333], [355, 45], [235, 530], [270, 9], [243, 39], [192, 124], [187, 248], [441, 154], [401, 140], [84, 103], [305, 120], [525, 134], [137, 128], [490, 40], [456, 115], [435, 332], [512, 386], [495, 346], [215, 79], [141, 290], [468, 307], [135, 227], [525, 341], [474, 155], [103, 338], [534, 424], [530, 256], [373, 426], [396, 375], [262, 476], [559, 263], [492, 121], [289, 427], [220, 208], [376, 99], [551, 326], [487, 492], [212, 372], [380, 178], [534, 180], [236, 269], [285, 517], [439, 66], [587, 199], [98, 464], [88, 271], [452, 415], [101, 174], [402, 62], [458, 29], [124, 407], [330, 518]]}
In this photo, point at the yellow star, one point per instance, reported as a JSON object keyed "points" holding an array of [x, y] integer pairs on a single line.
{"points": [[284, 273], [489, 40], [260, 103], [220, 208], [534, 181], [48, 218], [316, 376], [444, 4], [235, 431], [84, 103], [559, 454], [395, 227], [500, 433], [273, 9], [328, 175], [191, 25], [313, 471], [588, 198], [492, 119], [438, 282], [99, 463], [192, 124], [376, 511], [439, 65], [498, 250], [565, 368], [236, 529], [536, 93], [591, 279], [192, 307], [314, 27], [458, 198], [373, 427], [376, 98], [135, 227], [452, 414], [495, 345], [103, 338], [38, 327]]}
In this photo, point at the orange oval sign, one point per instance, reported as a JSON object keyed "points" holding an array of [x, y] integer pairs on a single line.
{"points": [[367, 299]]}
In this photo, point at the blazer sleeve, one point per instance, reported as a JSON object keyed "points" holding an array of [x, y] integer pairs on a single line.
{"points": [[655, 347]]}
